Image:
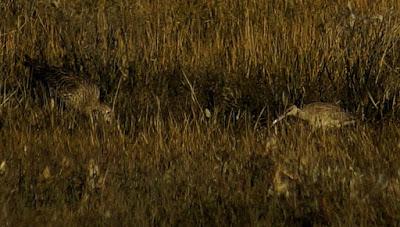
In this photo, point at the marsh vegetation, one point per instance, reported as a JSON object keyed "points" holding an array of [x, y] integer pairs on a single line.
{"points": [[195, 86]]}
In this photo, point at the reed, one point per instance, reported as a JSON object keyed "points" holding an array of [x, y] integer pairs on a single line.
{"points": [[194, 86]]}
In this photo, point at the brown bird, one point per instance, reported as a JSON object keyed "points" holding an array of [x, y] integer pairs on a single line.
{"points": [[76, 92], [320, 115]]}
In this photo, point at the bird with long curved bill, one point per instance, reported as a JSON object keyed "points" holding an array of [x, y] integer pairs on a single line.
{"points": [[320, 115], [76, 92]]}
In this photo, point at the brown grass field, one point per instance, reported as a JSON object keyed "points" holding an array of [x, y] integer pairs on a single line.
{"points": [[195, 86]]}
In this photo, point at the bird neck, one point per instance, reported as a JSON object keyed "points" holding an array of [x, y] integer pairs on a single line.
{"points": [[302, 115], [90, 108]]}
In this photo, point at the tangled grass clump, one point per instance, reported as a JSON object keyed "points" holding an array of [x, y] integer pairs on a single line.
{"points": [[195, 87]]}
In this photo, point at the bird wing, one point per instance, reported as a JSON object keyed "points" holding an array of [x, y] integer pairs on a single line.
{"points": [[320, 107], [329, 111]]}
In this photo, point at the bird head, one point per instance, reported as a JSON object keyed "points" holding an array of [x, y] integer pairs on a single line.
{"points": [[291, 111], [106, 112]]}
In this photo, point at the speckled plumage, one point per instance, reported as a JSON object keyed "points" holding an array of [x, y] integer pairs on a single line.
{"points": [[76, 92], [320, 115]]}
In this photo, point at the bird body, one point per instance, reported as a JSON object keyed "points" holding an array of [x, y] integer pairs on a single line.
{"points": [[76, 92], [320, 115]]}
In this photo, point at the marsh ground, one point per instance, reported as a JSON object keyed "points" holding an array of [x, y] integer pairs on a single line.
{"points": [[162, 65]]}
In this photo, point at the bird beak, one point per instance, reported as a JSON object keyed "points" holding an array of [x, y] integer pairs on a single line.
{"points": [[278, 119]]}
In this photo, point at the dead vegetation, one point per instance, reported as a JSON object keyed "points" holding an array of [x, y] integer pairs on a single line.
{"points": [[195, 86]]}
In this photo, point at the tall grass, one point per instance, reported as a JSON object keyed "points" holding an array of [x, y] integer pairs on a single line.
{"points": [[162, 65]]}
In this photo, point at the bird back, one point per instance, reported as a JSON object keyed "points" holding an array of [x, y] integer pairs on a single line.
{"points": [[75, 91]]}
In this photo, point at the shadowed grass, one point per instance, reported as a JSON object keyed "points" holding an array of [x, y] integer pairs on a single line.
{"points": [[166, 162]]}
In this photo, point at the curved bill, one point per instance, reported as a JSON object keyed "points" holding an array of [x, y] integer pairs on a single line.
{"points": [[278, 119]]}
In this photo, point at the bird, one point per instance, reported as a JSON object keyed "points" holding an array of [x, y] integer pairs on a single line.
{"points": [[76, 92], [320, 115]]}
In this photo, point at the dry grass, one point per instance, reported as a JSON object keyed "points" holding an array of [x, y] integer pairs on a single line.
{"points": [[161, 65]]}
